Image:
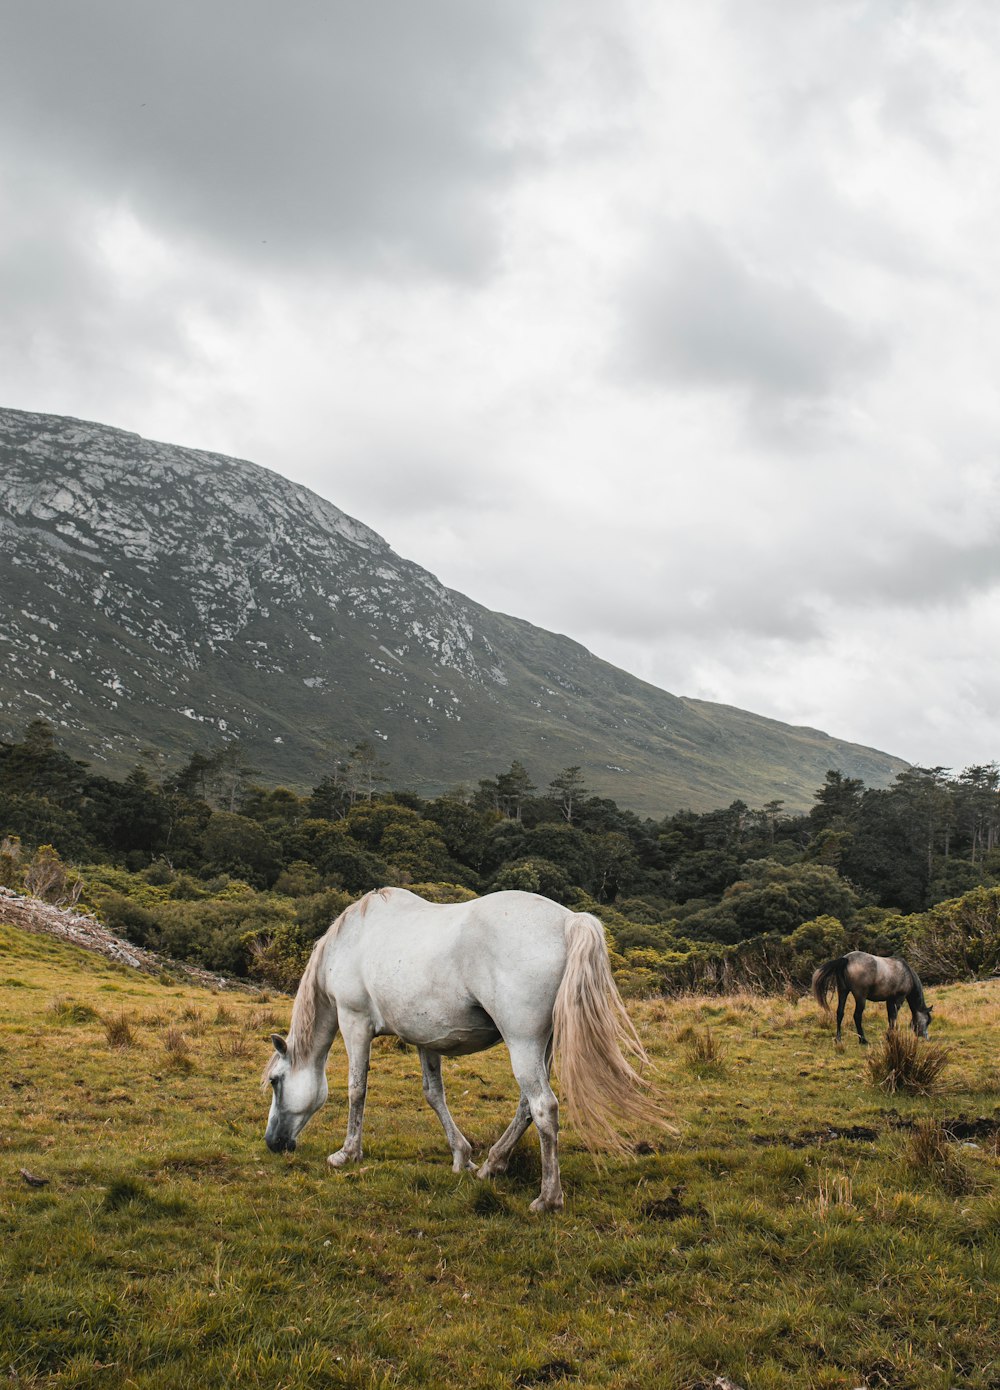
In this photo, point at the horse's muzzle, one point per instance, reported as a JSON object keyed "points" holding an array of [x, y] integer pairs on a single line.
{"points": [[280, 1146]]}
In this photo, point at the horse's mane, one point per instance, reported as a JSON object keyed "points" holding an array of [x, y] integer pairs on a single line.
{"points": [[303, 1023], [916, 990]]}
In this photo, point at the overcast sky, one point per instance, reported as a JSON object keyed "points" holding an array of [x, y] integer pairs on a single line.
{"points": [[670, 326]]}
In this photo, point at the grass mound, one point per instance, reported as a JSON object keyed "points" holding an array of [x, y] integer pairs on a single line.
{"points": [[63, 1010], [118, 1030], [902, 1062], [932, 1154]]}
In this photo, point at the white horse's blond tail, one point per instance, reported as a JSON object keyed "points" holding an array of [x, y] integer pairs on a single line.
{"points": [[596, 1044]]}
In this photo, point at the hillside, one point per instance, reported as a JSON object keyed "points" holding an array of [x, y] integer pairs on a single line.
{"points": [[163, 597], [774, 1240]]}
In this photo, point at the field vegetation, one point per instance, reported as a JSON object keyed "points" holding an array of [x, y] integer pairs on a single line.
{"points": [[208, 866], [803, 1227]]}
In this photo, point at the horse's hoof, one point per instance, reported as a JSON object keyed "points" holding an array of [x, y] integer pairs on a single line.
{"points": [[340, 1159], [543, 1204]]}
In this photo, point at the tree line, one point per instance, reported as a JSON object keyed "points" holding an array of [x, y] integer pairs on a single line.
{"points": [[207, 864]]}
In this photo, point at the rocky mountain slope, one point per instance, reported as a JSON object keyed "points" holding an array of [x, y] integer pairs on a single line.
{"points": [[167, 598]]}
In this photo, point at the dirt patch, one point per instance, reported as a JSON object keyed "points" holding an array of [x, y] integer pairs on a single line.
{"points": [[670, 1208], [545, 1374], [984, 1127], [863, 1134], [961, 1128]]}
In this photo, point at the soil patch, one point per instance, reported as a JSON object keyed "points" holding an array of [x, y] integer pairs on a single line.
{"points": [[809, 1138]]}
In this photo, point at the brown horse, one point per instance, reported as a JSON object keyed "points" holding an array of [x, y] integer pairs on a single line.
{"points": [[887, 978]]}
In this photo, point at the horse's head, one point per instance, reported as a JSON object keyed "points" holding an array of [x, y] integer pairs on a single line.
{"points": [[297, 1092], [921, 1021]]}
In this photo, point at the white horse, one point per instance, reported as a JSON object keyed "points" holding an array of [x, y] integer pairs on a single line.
{"points": [[454, 979]]}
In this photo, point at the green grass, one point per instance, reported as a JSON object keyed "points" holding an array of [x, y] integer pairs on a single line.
{"points": [[792, 1233]]}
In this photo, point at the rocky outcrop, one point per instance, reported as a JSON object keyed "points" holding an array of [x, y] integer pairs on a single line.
{"points": [[80, 929]]}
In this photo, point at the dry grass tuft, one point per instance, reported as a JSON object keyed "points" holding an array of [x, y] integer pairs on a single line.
{"points": [[63, 1010], [234, 1044], [835, 1190], [224, 1017], [119, 1031], [704, 1051], [931, 1154], [263, 1021], [902, 1062], [178, 1049]]}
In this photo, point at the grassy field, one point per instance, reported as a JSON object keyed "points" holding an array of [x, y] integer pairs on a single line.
{"points": [[801, 1229]]}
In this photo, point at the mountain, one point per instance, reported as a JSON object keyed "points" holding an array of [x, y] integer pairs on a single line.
{"points": [[167, 598]]}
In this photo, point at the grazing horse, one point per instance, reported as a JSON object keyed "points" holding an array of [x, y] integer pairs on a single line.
{"points": [[872, 977], [456, 978]]}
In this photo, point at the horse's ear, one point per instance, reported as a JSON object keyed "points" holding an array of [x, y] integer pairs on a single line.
{"points": [[930, 1008], [279, 1044]]}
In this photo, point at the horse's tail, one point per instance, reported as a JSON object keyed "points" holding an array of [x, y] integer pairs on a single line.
{"points": [[824, 977], [596, 1045]]}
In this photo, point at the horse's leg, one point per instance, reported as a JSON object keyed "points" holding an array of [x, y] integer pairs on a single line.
{"points": [[357, 1033], [530, 1062], [499, 1156], [841, 1006], [892, 1008], [461, 1149], [859, 1009]]}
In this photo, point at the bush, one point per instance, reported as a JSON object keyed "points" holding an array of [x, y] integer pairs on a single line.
{"points": [[127, 918], [238, 845], [442, 892], [11, 863], [314, 913], [958, 940], [277, 957], [298, 880], [534, 876], [47, 878]]}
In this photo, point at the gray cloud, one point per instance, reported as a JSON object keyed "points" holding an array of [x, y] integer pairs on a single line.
{"points": [[668, 327], [694, 312], [368, 132]]}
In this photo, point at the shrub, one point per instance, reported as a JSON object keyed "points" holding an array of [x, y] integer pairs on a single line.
{"points": [[159, 873], [11, 863], [960, 939], [50, 880], [278, 957], [442, 892], [298, 880], [534, 876], [127, 918], [315, 913]]}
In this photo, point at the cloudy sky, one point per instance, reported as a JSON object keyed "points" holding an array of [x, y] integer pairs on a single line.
{"points": [[671, 326]]}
